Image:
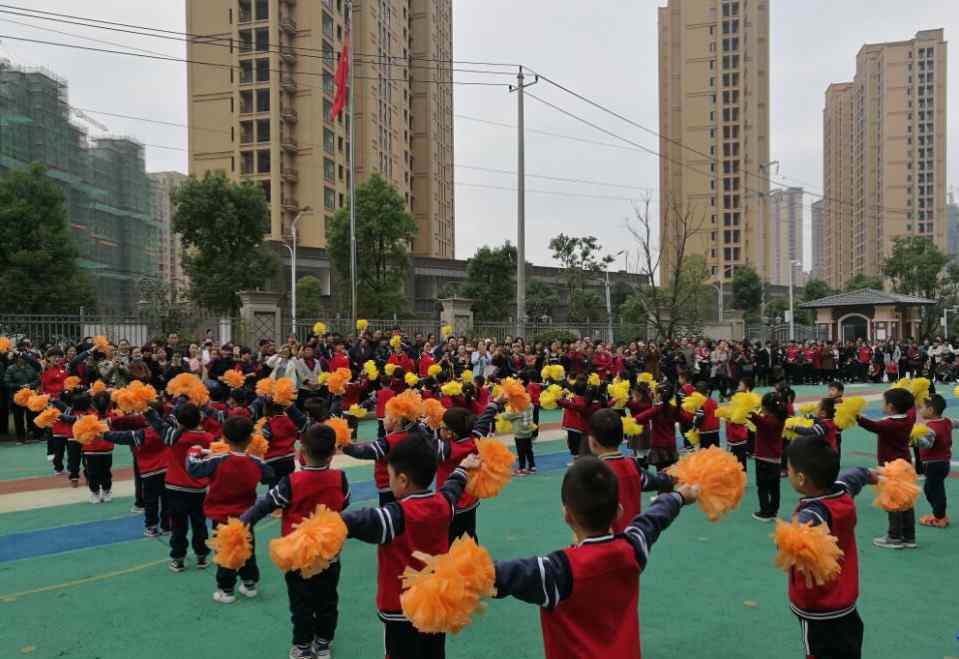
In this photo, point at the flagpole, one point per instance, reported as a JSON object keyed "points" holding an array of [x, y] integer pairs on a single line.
{"points": [[352, 169]]}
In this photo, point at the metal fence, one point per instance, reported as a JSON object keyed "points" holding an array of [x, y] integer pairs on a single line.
{"points": [[780, 333]]}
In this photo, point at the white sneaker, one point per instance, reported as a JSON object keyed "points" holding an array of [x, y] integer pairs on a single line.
{"points": [[247, 591], [223, 598], [136, 510], [94, 497], [50, 458], [106, 497]]}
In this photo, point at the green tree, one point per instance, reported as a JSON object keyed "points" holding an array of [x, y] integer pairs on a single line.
{"points": [[747, 290], [860, 281], [815, 289], [384, 232], [39, 272], [917, 267], [490, 282], [163, 306], [682, 306], [309, 297], [581, 260], [222, 225], [541, 299]]}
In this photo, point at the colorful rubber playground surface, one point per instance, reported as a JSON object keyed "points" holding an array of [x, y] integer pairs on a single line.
{"points": [[78, 580]]}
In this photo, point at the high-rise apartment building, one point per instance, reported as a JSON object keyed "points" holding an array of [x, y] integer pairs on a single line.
{"points": [[818, 247], [952, 233], [714, 127], [785, 234], [162, 186], [264, 115], [884, 155]]}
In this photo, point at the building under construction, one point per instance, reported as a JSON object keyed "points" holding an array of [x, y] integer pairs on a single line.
{"points": [[104, 182]]}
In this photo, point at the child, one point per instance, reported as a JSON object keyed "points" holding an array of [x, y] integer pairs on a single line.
{"points": [[152, 457], [705, 420], [233, 478], [281, 434], [383, 396], [835, 392], [605, 436], [524, 432], [768, 455], [589, 593], [664, 415], [457, 439], [685, 389], [80, 403], [314, 600], [737, 436], [823, 425], [98, 456], [936, 458], [574, 417], [831, 626], [892, 435], [640, 401], [531, 380], [185, 494], [61, 433], [417, 520]]}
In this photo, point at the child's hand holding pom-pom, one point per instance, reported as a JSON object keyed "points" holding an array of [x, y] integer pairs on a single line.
{"points": [[718, 474], [487, 479], [808, 549], [313, 545], [897, 489], [232, 544]]}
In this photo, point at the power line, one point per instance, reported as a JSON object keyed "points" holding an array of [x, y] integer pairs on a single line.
{"points": [[556, 178], [152, 121], [546, 192], [80, 36]]}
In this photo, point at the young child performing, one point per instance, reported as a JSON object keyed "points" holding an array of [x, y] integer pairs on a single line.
{"points": [[831, 626], [664, 415], [601, 569], [768, 454], [314, 600], [418, 520], [936, 458], [233, 476]]}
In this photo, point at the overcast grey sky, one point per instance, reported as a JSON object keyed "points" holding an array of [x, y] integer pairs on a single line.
{"points": [[607, 51]]}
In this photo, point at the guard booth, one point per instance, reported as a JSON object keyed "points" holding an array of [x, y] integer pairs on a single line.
{"points": [[869, 315]]}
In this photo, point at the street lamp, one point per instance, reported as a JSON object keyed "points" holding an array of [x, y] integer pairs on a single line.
{"points": [[292, 248], [720, 301], [609, 301], [792, 313]]}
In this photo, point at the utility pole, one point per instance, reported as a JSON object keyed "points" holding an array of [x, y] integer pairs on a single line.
{"points": [[352, 172], [521, 201]]}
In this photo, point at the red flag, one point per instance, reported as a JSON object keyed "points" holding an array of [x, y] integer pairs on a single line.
{"points": [[342, 71]]}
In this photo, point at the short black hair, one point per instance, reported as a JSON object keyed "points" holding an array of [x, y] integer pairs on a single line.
{"points": [[237, 430], [747, 382], [900, 400], [319, 441], [828, 406], [101, 402], [317, 408], [837, 385], [815, 459], [936, 403], [606, 427], [590, 493], [703, 387], [414, 457], [459, 420], [81, 401], [218, 393], [188, 415], [239, 395]]}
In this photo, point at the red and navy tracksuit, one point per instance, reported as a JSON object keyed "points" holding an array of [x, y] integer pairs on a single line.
{"points": [[281, 433], [831, 627], [379, 450], [575, 412], [936, 460], [233, 478], [706, 422], [62, 442], [892, 440], [633, 481], [313, 601], [383, 396], [152, 457], [98, 461], [418, 522], [737, 441], [767, 456], [568, 586], [662, 441]]}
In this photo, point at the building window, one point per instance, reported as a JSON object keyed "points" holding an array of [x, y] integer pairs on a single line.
{"points": [[246, 162], [263, 161], [246, 102], [329, 141], [263, 130], [329, 198], [263, 70], [246, 132], [262, 100], [267, 190], [246, 41], [329, 86], [245, 15], [262, 10], [246, 72], [327, 25], [329, 170], [262, 40]]}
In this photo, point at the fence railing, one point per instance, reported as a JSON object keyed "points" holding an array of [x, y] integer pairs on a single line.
{"points": [[780, 333]]}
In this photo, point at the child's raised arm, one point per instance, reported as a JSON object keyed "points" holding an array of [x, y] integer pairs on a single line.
{"points": [[541, 580], [377, 526]]}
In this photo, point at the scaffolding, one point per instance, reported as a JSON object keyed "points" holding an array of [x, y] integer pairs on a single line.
{"points": [[104, 182]]}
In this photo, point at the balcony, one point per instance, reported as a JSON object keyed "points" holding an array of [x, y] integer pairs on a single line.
{"points": [[290, 174], [289, 115], [290, 204], [288, 25], [288, 143], [288, 54], [288, 84]]}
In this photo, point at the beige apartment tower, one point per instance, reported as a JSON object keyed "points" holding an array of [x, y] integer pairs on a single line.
{"points": [[714, 127], [884, 155], [264, 116], [785, 236]]}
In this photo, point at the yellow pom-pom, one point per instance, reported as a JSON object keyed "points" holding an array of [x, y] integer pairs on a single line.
{"points": [[452, 389], [920, 390], [442, 597], [369, 367], [4, 344], [693, 402], [433, 412], [848, 411], [232, 544], [466, 376], [411, 380], [503, 427], [808, 408], [495, 470], [446, 331], [516, 394], [692, 436], [233, 379], [645, 376], [396, 341], [312, 546], [618, 392], [47, 418], [71, 382], [356, 411], [258, 445], [87, 428], [631, 428], [919, 431], [434, 370], [795, 422], [38, 402], [718, 474], [557, 372], [361, 325], [337, 381], [955, 392], [342, 430], [897, 490], [808, 549], [284, 391], [407, 405], [389, 369], [593, 380], [23, 396], [319, 328]]}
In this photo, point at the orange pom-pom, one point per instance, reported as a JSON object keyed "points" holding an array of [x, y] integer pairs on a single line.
{"points": [[233, 379], [314, 543], [433, 412], [284, 391], [264, 388], [47, 418], [37, 402], [87, 428], [182, 384], [23, 396], [198, 394], [258, 446], [219, 446], [97, 387], [342, 430], [407, 405], [442, 597], [495, 470], [808, 549], [516, 394], [71, 382], [337, 380], [135, 397], [4, 344], [101, 343], [718, 474], [232, 544], [897, 490]]}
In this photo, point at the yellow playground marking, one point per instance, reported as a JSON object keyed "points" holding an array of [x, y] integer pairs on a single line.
{"points": [[13, 597]]}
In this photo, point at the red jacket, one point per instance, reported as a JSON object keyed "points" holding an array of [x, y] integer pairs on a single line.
{"points": [[769, 437], [941, 450], [338, 360], [383, 396], [403, 361], [424, 364], [280, 432], [177, 477], [51, 380], [664, 417], [451, 454], [892, 435], [233, 480], [575, 413]]}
